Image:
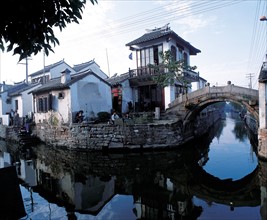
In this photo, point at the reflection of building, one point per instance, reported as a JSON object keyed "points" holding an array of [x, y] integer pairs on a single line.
{"points": [[86, 194], [162, 184], [263, 188], [93, 194], [169, 201], [26, 171], [11, 203]]}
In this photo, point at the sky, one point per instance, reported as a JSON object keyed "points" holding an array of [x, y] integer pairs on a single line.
{"points": [[229, 33]]}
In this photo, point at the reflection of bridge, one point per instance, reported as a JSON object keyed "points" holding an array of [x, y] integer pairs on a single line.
{"points": [[189, 105]]}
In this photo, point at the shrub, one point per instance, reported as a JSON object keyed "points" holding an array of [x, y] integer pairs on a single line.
{"points": [[103, 116]]}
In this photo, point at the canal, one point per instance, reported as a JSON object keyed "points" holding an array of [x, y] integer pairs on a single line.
{"points": [[214, 177]]}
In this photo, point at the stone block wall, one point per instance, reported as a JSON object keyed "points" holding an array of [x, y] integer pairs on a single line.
{"points": [[106, 136], [9, 133]]}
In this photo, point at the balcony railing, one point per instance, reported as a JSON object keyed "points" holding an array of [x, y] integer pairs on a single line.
{"points": [[189, 75]]}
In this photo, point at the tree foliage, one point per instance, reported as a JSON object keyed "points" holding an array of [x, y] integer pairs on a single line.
{"points": [[26, 25], [170, 70]]}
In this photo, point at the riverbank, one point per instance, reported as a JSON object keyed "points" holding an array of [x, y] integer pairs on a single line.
{"points": [[131, 135]]}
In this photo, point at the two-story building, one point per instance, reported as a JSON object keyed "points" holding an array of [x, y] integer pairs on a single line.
{"points": [[145, 93]]}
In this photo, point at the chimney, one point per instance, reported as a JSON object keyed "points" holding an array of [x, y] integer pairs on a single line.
{"points": [[65, 76]]}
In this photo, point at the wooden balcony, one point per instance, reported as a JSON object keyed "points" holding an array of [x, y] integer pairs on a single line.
{"points": [[148, 72]]}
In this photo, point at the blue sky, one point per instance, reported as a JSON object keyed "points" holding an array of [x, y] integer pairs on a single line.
{"points": [[229, 33]]}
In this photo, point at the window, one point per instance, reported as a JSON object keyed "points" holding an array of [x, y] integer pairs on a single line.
{"points": [[16, 105], [173, 53], [185, 59], [44, 103], [178, 90], [149, 55]]}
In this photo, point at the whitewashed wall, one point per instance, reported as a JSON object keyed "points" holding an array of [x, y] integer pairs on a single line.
{"points": [[27, 101], [63, 105], [91, 95], [56, 71], [20, 109], [168, 95], [127, 96], [4, 107]]}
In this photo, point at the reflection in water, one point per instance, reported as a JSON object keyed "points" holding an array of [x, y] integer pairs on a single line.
{"points": [[231, 153], [153, 185]]}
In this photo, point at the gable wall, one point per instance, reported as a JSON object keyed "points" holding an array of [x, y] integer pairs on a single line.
{"points": [[91, 95], [56, 71], [27, 103], [95, 68]]}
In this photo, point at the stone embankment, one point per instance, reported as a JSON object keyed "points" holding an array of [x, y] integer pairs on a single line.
{"points": [[154, 135], [106, 136]]}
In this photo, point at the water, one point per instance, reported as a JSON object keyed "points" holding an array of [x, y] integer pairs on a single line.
{"points": [[214, 178]]}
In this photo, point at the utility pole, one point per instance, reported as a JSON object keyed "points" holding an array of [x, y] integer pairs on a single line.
{"points": [[26, 64], [250, 76]]}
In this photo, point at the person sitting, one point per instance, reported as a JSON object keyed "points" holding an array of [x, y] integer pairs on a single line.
{"points": [[79, 117], [114, 116]]}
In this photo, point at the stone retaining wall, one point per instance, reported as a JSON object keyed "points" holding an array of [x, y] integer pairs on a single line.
{"points": [[156, 135], [9, 133], [105, 136]]}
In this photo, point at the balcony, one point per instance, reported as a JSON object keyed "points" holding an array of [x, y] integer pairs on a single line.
{"points": [[147, 72]]}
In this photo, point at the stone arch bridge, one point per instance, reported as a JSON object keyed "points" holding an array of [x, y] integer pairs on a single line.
{"points": [[187, 106]]}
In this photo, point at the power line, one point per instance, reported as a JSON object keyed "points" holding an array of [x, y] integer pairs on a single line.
{"points": [[153, 17]]}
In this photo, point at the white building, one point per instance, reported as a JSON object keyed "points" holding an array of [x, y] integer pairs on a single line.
{"points": [[90, 65], [146, 50], [59, 99], [17, 98], [50, 72]]}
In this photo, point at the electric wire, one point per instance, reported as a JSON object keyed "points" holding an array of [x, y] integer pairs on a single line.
{"points": [[176, 11]]}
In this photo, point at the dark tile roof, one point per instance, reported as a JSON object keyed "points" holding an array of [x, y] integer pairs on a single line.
{"points": [[79, 67], [157, 34], [23, 88], [47, 68], [118, 79], [55, 84], [15, 88]]}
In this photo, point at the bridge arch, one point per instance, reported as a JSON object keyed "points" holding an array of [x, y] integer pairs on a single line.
{"points": [[189, 105], [203, 104]]}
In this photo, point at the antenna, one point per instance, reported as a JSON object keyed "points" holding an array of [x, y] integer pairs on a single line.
{"points": [[107, 62], [43, 61]]}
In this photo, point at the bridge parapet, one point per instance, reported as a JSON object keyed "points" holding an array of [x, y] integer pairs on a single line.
{"points": [[208, 95], [219, 91]]}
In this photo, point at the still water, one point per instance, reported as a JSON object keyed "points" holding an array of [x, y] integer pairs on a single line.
{"points": [[216, 177]]}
